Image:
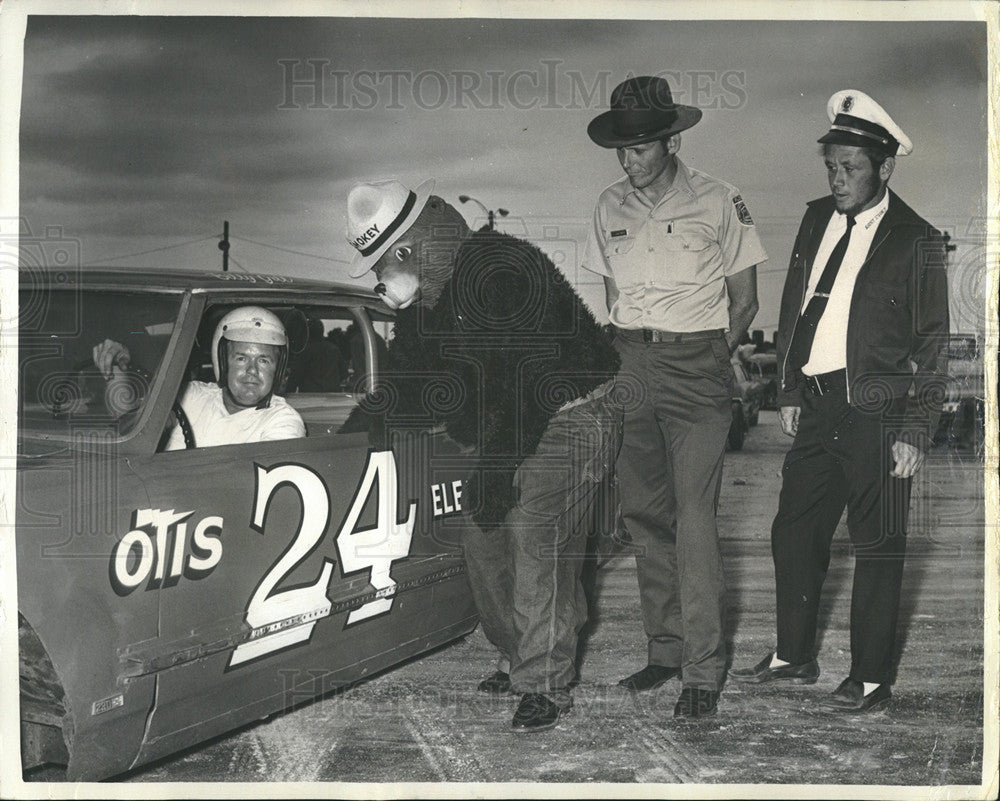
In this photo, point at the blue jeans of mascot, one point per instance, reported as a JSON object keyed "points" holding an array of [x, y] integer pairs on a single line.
{"points": [[531, 564]]}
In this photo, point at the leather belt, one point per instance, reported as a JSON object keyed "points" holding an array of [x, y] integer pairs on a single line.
{"points": [[651, 335], [823, 383]]}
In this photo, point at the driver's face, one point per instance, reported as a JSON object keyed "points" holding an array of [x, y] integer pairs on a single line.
{"points": [[250, 371]]}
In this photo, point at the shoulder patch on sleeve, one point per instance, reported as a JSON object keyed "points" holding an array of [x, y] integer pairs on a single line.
{"points": [[742, 211]]}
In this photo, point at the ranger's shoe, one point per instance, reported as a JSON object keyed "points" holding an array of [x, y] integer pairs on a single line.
{"points": [[649, 678], [535, 713], [762, 672], [696, 702]]}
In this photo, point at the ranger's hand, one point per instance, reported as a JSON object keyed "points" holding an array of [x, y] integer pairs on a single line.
{"points": [[788, 416]]}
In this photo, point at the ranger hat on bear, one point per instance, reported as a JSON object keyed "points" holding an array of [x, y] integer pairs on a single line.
{"points": [[377, 215], [642, 110], [861, 122]]}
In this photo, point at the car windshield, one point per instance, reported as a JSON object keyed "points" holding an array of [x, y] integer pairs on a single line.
{"points": [[61, 393]]}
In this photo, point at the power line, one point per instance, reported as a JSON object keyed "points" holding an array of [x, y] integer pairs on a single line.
{"points": [[233, 260], [146, 252], [289, 250]]}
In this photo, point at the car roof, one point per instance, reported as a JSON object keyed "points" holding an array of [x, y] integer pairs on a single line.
{"points": [[196, 281]]}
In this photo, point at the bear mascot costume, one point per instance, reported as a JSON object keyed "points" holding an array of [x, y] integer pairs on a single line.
{"points": [[535, 376]]}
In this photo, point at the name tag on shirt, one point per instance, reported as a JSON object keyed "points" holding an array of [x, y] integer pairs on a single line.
{"points": [[619, 232]]}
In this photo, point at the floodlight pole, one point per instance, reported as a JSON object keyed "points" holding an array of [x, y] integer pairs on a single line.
{"points": [[490, 214]]}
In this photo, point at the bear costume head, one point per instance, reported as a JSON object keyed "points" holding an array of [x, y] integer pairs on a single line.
{"points": [[409, 239]]}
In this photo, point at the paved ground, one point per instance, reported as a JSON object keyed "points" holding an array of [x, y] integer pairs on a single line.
{"points": [[424, 721]]}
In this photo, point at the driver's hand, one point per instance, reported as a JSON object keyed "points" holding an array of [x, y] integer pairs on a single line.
{"points": [[111, 358]]}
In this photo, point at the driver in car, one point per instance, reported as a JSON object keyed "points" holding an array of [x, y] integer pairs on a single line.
{"points": [[249, 355]]}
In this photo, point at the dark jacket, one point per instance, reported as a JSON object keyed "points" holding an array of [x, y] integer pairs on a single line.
{"points": [[898, 320]]}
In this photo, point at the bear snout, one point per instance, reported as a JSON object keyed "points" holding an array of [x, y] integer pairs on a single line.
{"points": [[399, 289]]}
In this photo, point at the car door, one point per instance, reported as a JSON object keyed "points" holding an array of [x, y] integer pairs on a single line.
{"points": [[288, 568], [78, 439]]}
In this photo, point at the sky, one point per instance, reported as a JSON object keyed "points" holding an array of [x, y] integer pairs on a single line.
{"points": [[140, 135]]}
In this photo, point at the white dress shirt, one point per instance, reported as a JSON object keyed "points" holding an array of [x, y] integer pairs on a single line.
{"points": [[829, 347]]}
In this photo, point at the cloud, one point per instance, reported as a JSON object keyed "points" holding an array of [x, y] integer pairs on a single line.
{"points": [[137, 128]]}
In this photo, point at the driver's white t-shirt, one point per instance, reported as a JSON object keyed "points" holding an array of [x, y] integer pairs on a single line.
{"points": [[214, 425]]}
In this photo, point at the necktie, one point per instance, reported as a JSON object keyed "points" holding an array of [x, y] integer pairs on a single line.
{"points": [[805, 328]]}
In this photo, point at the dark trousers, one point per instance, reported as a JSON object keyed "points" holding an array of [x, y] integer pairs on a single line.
{"points": [[525, 574], [840, 457], [669, 473]]}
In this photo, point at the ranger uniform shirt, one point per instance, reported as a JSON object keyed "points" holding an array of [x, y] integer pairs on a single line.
{"points": [[670, 261]]}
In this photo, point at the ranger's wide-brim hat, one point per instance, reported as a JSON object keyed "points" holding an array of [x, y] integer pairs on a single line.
{"points": [[642, 110], [377, 215], [859, 121]]}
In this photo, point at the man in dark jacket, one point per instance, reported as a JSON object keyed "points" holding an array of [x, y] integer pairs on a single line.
{"points": [[865, 300]]}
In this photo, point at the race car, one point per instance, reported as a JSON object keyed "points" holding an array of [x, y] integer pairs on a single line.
{"points": [[168, 596]]}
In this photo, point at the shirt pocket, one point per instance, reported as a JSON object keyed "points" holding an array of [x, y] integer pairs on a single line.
{"points": [[620, 252], [618, 247], [686, 253]]}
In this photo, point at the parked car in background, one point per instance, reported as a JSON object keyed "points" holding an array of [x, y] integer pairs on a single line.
{"points": [[167, 597], [963, 414], [763, 367], [748, 399]]}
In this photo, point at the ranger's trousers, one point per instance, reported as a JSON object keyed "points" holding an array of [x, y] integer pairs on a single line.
{"points": [[669, 471]]}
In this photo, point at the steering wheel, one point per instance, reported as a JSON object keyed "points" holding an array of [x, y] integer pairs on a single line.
{"points": [[182, 420]]}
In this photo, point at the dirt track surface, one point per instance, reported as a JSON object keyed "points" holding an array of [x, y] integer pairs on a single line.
{"points": [[425, 722]]}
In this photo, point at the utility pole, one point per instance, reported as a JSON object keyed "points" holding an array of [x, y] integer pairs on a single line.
{"points": [[224, 246]]}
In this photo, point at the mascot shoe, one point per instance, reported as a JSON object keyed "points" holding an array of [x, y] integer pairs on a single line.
{"points": [[377, 215]]}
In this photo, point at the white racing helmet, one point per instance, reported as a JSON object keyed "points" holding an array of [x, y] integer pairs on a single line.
{"points": [[249, 324]]}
